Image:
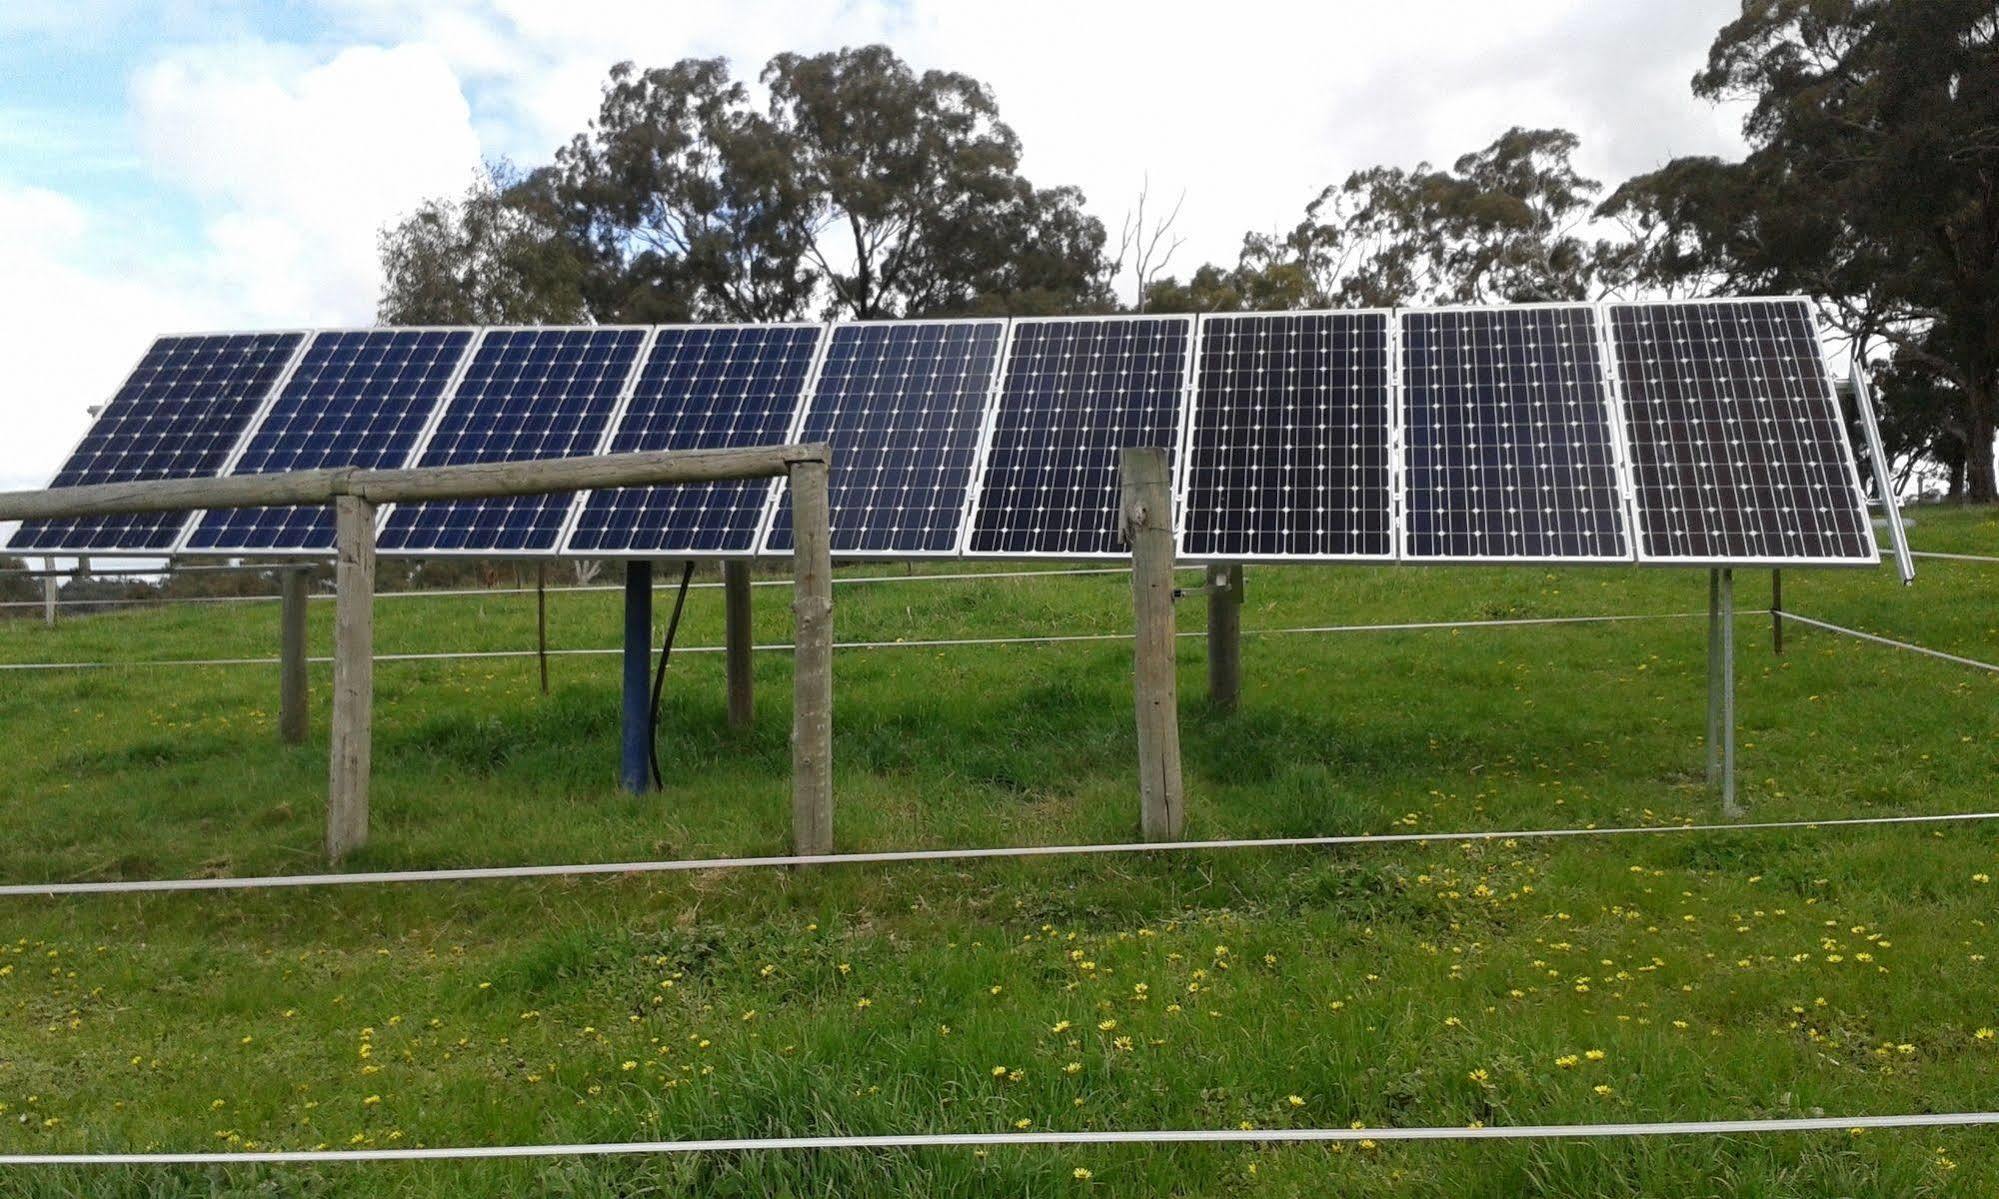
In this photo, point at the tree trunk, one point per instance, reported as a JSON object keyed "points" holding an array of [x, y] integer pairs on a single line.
{"points": [[1978, 481]]}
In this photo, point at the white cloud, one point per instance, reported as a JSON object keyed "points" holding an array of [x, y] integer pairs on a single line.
{"points": [[301, 162], [69, 328]]}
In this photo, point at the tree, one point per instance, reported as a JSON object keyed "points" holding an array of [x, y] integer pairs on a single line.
{"points": [[862, 189], [1147, 246], [1503, 224], [489, 256], [1872, 184]]}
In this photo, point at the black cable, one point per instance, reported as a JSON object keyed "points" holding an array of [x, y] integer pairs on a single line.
{"points": [[659, 676]]}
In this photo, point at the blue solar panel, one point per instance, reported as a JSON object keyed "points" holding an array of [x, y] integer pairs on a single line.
{"points": [[357, 398], [1738, 452], [703, 387], [1076, 391], [527, 393], [1288, 450], [902, 403], [1509, 448], [178, 416]]}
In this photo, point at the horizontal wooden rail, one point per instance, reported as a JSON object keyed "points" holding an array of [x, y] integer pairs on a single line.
{"points": [[476, 481]]}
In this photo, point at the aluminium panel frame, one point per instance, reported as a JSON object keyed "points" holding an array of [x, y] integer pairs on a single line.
{"points": [[183, 548], [235, 450], [974, 469], [429, 435], [618, 413], [1611, 413], [1767, 561], [1391, 433], [1187, 365]]}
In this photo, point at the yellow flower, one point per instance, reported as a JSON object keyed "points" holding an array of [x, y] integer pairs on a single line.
{"points": [[371, 1101], [1081, 1174], [1023, 1124], [628, 1064], [1567, 1061], [1602, 1089], [1106, 1025], [1595, 1055], [1294, 1100], [1073, 1068], [999, 1071]]}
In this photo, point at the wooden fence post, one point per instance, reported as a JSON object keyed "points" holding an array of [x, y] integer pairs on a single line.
{"points": [[353, 675], [1147, 517], [1777, 611], [738, 639], [541, 620], [50, 588], [292, 712], [1224, 636], [812, 661]]}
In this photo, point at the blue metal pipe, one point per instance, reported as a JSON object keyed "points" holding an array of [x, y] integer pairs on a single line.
{"points": [[635, 765]]}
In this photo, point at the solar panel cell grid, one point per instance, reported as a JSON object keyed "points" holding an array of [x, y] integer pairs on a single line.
{"points": [[179, 415], [1510, 451], [902, 404], [1738, 451], [1075, 391], [702, 387], [357, 398], [1288, 453], [526, 394]]}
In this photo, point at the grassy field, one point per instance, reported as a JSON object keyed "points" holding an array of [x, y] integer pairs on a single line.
{"points": [[1734, 975]]}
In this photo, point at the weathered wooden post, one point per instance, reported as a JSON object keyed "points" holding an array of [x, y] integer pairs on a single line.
{"points": [[1147, 518], [635, 758], [353, 675], [1776, 611], [49, 591], [812, 661], [541, 620], [1729, 807], [1224, 588], [292, 711], [737, 640]]}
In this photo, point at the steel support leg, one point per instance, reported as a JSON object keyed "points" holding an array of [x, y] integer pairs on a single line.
{"points": [[635, 763]]}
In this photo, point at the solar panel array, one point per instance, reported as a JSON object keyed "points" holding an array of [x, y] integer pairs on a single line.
{"points": [[902, 404], [1289, 450], [1075, 392], [1738, 451], [1701, 432], [178, 416], [528, 393], [704, 387], [1507, 425], [356, 398]]}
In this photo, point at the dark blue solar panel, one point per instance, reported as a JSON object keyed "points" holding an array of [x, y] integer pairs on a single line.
{"points": [[703, 387], [178, 416], [357, 398], [1288, 456], [902, 404], [1076, 392], [1509, 448], [528, 393], [1738, 453]]}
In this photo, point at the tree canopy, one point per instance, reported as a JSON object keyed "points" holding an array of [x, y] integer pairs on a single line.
{"points": [[861, 189]]}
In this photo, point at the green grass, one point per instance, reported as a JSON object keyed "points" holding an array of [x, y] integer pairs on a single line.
{"points": [[1722, 976]]}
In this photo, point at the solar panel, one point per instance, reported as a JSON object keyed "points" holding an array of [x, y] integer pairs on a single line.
{"points": [[1510, 451], [1076, 391], [527, 393], [358, 397], [902, 403], [702, 387], [179, 415], [1288, 441], [1738, 452]]}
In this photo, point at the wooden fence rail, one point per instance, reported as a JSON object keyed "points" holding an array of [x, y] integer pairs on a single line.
{"points": [[355, 496]]}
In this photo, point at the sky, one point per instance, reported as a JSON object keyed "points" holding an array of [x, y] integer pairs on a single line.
{"points": [[188, 165]]}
